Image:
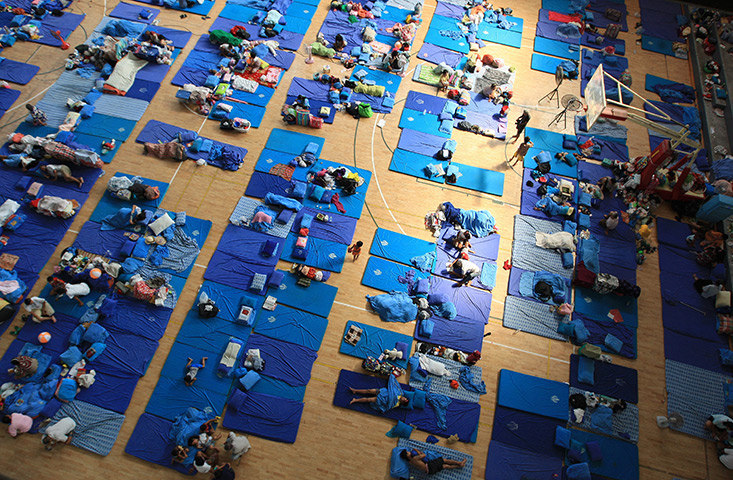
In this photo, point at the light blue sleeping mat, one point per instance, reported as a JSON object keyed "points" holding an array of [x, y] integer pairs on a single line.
{"points": [[556, 48], [278, 388], [533, 394], [292, 325], [398, 246], [544, 63], [374, 341], [509, 37], [414, 164], [287, 141], [479, 179], [96, 428], [385, 275], [293, 295], [532, 317], [422, 122], [322, 254]]}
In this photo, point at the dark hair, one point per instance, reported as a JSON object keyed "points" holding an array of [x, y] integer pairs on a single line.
{"points": [[187, 378], [191, 440], [203, 427], [46, 440], [50, 278], [140, 216], [15, 361], [199, 461], [526, 139], [6, 419], [467, 234], [175, 451], [403, 454], [27, 300], [359, 243]]}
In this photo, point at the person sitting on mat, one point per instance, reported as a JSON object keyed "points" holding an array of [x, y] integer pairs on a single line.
{"points": [[464, 269], [707, 287], [179, 454], [719, 426], [610, 221], [424, 463], [462, 240], [38, 309], [382, 399], [607, 185], [192, 369], [59, 432], [224, 472], [55, 171], [238, 445]]}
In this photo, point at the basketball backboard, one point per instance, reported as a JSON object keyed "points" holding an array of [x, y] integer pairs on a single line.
{"points": [[595, 96]]}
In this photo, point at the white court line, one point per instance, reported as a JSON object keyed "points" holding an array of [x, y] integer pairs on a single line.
{"points": [[351, 306], [22, 104], [526, 351], [73, 231], [498, 301], [199, 265], [376, 179], [181, 163]]}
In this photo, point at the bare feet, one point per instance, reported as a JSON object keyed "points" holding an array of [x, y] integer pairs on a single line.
{"points": [[352, 401], [352, 390], [463, 463], [81, 182]]}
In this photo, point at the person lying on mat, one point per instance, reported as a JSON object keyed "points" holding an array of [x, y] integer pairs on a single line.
{"points": [[719, 427], [39, 310], [238, 445], [20, 160], [55, 171], [124, 217], [464, 269], [76, 290], [59, 432], [714, 238], [192, 369], [17, 424], [707, 287], [382, 399], [430, 462], [23, 367]]}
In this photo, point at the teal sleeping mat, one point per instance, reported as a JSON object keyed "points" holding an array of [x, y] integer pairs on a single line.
{"points": [[557, 166], [544, 63], [317, 298], [480, 179], [278, 388], [374, 341], [657, 45], [384, 275], [171, 397], [533, 394], [414, 164], [206, 378], [492, 33], [399, 247], [322, 254], [620, 459], [210, 334], [291, 325], [253, 113], [434, 36], [597, 306], [292, 142], [556, 48], [422, 122], [107, 127]]}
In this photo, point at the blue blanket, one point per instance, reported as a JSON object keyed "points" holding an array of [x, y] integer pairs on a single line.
{"points": [[478, 222], [468, 381], [393, 307], [388, 397]]}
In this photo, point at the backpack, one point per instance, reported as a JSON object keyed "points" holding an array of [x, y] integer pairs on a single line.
{"points": [[208, 309]]}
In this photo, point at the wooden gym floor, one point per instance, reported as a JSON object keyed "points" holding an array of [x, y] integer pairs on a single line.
{"points": [[333, 442]]}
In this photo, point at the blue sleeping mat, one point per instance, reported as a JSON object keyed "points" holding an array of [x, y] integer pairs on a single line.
{"points": [[549, 30], [155, 131], [293, 295], [532, 394], [673, 233], [695, 393], [438, 23], [480, 179], [459, 333], [677, 260], [652, 81], [96, 428], [17, 72], [278, 388], [657, 45], [269, 158], [530, 198], [374, 341], [414, 164], [128, 11], [107, 127], [339, 228], [227, 299], [544, 63], [462, 419], [399, 247], [109, 391], [556, 48], [599, 329], [389, 81], [697, 352], [266, 416], [261, 183], [613, 380], [126, 354], [179, 38], [704, 327], [292, 325], [289, 362], [419, 142], [315, 108], [248, 244], [59, 331], [384, 275], [624, 424], [322, 254], [8, 96], [150, 441], [233, 271], [484, 248], [512, 463], [589, 40], [510, 37], [597, 306], [253, 113], [531, 317], [423, 122], [174, 367], [473, 305], [138, 318], [620, 459], [530, 432], [108, 242], [210, 334], [423, 102], [348, 379], [437, 55], [290, 142], [191, 75], [442, 385], [171, 397]]}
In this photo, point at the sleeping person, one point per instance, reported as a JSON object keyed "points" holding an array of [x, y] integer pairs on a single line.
{"points": [[431, 462], [382, 399], [55, 206], [55, 171], [125, 217]]}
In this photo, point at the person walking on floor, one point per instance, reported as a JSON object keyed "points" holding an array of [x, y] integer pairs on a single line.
{"points": [[521, 122]]}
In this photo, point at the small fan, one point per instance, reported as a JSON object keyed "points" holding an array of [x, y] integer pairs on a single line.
{"points": [[674, 420]]}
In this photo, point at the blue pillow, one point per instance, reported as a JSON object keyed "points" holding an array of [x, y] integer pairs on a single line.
{"points": [[445, 116], [584, 199], [92, 97], [398, 466], [569, 226], [284, 215], [579, 471], [402, 347], [206, 146], [276, 278], [567, 329], [569, 144], [316, 193], [594, 451], [94, 351], [300, 253], [299, 190], [237, 399], [270, 248], [87, 110], [586, 370], [426, 328], [95, 333], [326, 197], [211, 81], [543, 157], [438, 298], [306, 220], [196, 145], [581, 333], [71, 356], [613, 342], [387, 102], [419, 399], [401, 430], [76, 335], [67, 390], [422, 287], [562, 437], [567, 259], [571, 160], [584, 221], [248, 381], [416, 373], [410, 397]]}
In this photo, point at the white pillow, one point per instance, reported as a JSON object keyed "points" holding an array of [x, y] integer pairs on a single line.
{"points": [[161, 224]]}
